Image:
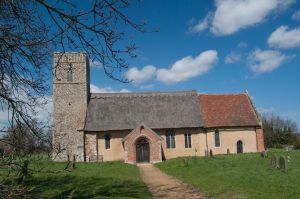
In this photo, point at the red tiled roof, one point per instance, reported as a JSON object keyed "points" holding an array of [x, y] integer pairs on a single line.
{"points": [[227, 110]]}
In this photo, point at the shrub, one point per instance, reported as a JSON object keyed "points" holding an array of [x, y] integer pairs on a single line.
{"points": [[1, 151], [297, 144]]}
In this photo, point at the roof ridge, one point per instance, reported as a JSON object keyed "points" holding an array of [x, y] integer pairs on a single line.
{"points": [[221, 94], [137, 94]]}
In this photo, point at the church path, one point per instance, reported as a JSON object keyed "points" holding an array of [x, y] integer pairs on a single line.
{"points": [[163, 186]]}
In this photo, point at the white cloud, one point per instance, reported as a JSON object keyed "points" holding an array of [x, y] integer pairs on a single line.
{"points": [[3, 119], [96, 64], [45, 110], [42, 112], [282, 37], [265, 61], [147, 86], [138, 76], [96, 89], [242, 45], [237, 54], [233, 57], [233, 15], [262, 110], [201, 25], [188, 67], [296, 15]]}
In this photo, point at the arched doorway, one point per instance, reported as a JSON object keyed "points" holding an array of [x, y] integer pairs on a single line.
{"points": [[239, 146], [142, 150]]}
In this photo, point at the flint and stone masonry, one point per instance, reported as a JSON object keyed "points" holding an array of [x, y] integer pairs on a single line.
{"points": [[70, 99]]}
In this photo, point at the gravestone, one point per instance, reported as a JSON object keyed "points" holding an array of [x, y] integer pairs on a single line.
{"points": [[228, 151], [264, 154], [275, 162], [283, 164], [211, 154]]}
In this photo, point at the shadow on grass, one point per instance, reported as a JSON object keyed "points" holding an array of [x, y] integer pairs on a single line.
{"points": [[86, 187]]}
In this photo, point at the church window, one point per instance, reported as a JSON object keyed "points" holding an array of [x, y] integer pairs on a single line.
{"points": [[70, 75], [188, 140], [107, 141], [170, 139], [217, 138]]}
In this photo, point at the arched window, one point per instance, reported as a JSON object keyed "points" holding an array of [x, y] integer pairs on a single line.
{"points": [[239, 146], [70, 74], [107, 141], [217, 138]]}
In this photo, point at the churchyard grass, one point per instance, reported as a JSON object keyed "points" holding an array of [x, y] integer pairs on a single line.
{"points": [[88, 180], [238, 176]]}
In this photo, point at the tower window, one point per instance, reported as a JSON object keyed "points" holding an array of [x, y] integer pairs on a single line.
{"points": [[70, 75]]}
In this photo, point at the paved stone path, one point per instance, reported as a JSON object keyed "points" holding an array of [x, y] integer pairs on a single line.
{"points": [[163, 186]]}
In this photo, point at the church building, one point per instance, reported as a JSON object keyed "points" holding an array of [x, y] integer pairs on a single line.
{"points": [[147, 126]]}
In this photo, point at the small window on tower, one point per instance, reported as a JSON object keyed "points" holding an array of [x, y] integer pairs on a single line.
{"points": [[70, 75]]}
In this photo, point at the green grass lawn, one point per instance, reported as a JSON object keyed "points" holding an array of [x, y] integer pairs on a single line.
{"points": [[238, 176], [88, 180]]}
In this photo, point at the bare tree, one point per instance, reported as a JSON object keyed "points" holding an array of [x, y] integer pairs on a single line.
{"points": [[31, 30]]}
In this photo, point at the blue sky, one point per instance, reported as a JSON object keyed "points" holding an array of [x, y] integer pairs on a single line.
{"points": [[224, 46], [221, 46]]}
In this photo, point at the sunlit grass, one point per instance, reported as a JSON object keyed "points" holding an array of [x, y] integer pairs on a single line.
{"points": [[238, 176]]}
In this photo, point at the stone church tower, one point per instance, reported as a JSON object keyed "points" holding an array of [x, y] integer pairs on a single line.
{"points": [[71, 90]]}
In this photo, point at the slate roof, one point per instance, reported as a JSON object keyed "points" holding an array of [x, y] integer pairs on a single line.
{"points": [[120, 111], [227, 110]]}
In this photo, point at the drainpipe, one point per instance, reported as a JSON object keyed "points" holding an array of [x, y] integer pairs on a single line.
{"points": [[97, 137], [206, 141]]}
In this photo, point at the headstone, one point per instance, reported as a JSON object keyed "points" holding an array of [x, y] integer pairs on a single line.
{"points": [[274, 162], [185, 162], [283, 164], [228, 151], [211, 153], [264, 154], [206, 153]]}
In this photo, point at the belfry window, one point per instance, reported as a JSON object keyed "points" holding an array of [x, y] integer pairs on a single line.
{"points": [[70, 75]]}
